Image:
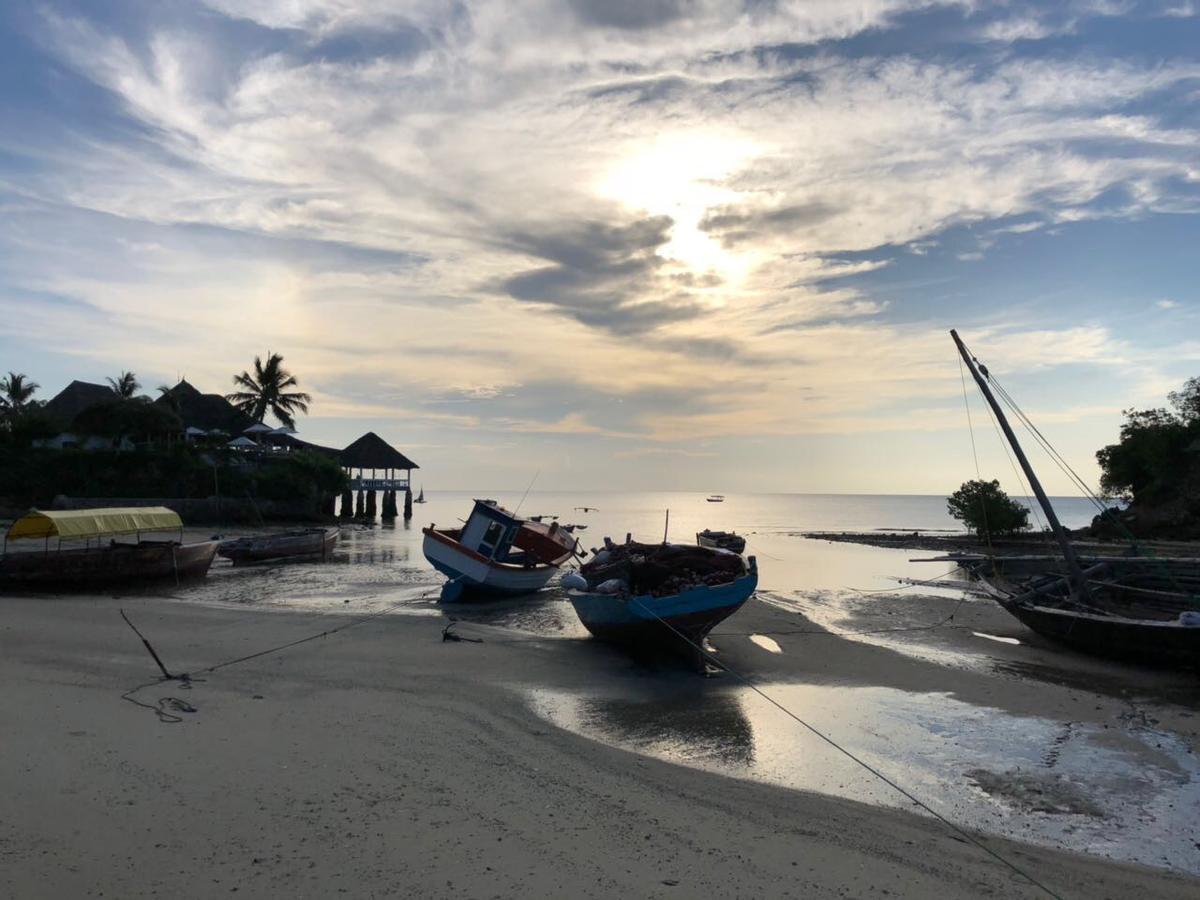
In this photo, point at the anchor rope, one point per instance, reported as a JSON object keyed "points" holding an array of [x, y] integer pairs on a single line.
{"points": [[849, 754]]}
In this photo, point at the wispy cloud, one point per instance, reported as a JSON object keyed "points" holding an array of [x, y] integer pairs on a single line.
{"points": [[472, 201]]}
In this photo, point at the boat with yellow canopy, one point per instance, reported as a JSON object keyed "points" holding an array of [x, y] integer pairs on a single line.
{"points": [[102, 559]]}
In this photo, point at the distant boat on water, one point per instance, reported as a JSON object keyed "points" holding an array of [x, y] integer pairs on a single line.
{"points": [[496, 553], [108, 561], [660, 596], [420, 496], [716, 498]]}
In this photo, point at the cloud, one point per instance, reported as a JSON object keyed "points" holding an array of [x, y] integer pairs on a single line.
{"points": [[671, 204], [1167, 304]]}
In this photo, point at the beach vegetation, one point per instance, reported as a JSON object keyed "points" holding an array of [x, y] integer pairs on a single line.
{"points": [[135, 418], [987, 510], [125, 385], [16, 393], [267, 390], [1154, 467]]}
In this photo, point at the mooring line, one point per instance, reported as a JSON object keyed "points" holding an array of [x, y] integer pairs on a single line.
{"points": [[850, 755], [186, 678]]}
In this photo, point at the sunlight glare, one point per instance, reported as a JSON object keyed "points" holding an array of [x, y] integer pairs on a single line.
{"points": [[682, 176]]}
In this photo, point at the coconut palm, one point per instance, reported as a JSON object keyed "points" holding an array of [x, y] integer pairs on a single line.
{"points": [[15, 391], [266, 391], [125, 385]]}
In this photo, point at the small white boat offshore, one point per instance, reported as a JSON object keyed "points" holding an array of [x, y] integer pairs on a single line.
{"points": [[496, 553], [716, 498], [721, 540]]}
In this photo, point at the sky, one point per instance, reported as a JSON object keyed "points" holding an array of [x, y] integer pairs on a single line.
{"points": [[617, 244]]}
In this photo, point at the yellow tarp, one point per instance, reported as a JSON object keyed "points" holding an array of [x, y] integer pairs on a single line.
{"points": [[70, 524]]}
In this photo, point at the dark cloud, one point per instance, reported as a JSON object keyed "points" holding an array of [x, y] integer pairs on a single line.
{"points": [[633, 15], [733, 225], [604, 276]]}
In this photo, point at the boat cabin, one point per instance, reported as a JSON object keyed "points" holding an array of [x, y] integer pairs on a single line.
{"points": [[490, 530]]}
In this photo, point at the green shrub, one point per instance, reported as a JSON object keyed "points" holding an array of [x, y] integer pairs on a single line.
{"points": [[985, 509]]}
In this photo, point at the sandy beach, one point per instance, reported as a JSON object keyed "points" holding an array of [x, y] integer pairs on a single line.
{"points": [[382, 761]]}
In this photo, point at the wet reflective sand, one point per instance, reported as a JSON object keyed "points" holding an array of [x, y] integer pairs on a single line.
{"points": [[990, 725]]}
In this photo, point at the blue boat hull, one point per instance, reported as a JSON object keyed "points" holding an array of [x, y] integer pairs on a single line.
{"points": [[678, 621]]}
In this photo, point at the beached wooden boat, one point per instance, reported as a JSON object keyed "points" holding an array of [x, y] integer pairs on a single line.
{"points": [[105, 562], [1137, 607], [496, 553], [721, 540], [305, 543], [660, 596]]}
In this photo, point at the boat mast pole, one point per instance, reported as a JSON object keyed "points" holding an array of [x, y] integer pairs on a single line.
{"points": [[1078, 579]]}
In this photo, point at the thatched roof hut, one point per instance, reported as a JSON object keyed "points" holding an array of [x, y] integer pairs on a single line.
{"points": [[207, 411], [372, 452], [77, 396]]}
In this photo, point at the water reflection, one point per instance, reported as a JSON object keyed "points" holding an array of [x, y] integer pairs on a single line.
{"points": [[704, 728], [1097, 789]]}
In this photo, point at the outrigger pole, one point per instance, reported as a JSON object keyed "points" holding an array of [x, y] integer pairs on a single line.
{"points": [[1078, 579]]}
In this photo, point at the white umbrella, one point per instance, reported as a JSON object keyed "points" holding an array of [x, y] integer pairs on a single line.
{"points": [[193, 431], [283, 429], [258, 428], [241, 442]]}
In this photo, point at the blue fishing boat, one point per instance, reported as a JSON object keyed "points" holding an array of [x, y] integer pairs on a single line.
{"points": [[667, 596], [496, 553]]}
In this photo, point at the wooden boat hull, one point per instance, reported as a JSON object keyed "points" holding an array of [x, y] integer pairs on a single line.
{"points": [[679, 621], [81, 569], [473, 576], [1163, 642], [313, 542], [721, 540]]}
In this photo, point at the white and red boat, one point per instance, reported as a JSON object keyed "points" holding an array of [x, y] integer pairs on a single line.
{"points": [[496, 553]]}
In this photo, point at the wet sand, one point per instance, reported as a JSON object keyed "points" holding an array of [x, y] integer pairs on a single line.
{"points": [[382, 761]]}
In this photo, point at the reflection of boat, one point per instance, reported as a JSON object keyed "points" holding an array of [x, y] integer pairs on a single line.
{"points": [[1118, 606], [660, 595], [420, 498], [496, 553], [721, 540], [307, 542], [709, 727], [716, 498], [101, 563]]}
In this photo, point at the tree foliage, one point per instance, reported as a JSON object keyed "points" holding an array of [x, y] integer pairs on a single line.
{"points": [[267, 391], [16, 390], [1157, 458], [984, 509], [125, 385], [137, 419]]}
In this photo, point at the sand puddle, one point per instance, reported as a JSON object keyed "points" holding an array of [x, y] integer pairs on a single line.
{"points": [[1123, 792], [768, 644]]}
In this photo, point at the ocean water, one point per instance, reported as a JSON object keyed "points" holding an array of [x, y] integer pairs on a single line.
{"points": [[376, 566]]}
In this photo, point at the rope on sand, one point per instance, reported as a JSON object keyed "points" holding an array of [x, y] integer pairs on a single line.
{"points": [[958, 829], [163, 707]]}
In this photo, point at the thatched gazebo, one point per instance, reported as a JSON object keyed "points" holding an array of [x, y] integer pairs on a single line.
{"points": [[371, 453]]}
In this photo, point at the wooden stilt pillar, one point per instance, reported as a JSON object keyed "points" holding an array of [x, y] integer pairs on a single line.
{"points": [[359, 509], [407, 503], [371, 508], [347, 503]]}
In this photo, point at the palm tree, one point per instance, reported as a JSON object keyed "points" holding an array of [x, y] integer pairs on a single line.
{"points": [[266, 391], [15, 392], [125, 385]]}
